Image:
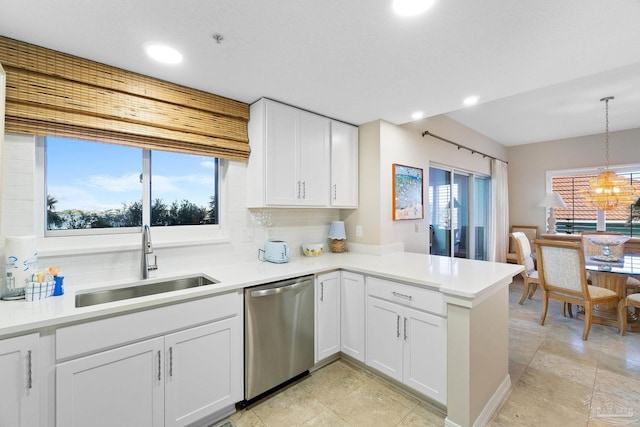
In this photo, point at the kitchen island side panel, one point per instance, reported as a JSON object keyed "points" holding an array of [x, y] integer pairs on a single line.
{"points": [[478, 364]]}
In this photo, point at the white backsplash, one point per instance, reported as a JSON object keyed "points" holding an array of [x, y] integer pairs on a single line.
{"points": [[244, 234]]}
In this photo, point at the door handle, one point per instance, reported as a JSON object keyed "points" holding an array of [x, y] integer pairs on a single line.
{"points": [[322, 291], [398, 327], [170, 362], [159, 366], [29, 371], [405, 328], [274, 291]]}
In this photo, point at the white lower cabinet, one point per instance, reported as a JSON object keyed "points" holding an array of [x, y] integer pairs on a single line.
{"points": [[175, 379], [18, 384], [352, 315], [120, 387], [404, 342], [327, 307], [203, 370]]}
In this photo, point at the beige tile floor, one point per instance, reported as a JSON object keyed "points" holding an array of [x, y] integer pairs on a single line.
{"points": [[557, 380]]}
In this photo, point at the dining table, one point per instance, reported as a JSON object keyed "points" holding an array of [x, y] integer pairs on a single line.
{"points": [[613, 275]]}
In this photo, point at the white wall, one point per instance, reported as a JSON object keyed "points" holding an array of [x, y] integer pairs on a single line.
{"points": [[529, 163], [99, 259], [381, 145]]}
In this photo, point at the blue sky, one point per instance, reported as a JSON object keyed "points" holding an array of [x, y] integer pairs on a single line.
{"points": [[94, 176]]}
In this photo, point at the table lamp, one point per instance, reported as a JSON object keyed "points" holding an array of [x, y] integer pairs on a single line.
{"points": [[551, 201], [338, 236]]}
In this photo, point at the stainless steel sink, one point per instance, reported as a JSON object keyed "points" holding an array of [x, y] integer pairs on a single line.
{"points": [[141, 290]]}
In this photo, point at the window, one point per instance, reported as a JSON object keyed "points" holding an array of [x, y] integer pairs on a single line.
{"points": [[91, 185], [578, 216]]}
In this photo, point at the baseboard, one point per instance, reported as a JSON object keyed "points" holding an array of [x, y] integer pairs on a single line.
{"points": [[490, 408]]}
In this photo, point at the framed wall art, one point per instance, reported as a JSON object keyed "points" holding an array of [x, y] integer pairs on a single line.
{"points": [[408, 196]]}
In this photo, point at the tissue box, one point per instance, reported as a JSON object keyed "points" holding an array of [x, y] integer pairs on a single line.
{"points": [[35, 291]]}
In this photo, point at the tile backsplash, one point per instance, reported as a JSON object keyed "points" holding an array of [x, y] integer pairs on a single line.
{"points": [[243, 231]]}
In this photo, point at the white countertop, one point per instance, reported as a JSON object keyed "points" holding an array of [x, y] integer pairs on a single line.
{"points": [[463, 281]]}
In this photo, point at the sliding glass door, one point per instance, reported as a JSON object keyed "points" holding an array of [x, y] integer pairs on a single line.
{"points": [[458, 204], [440, 211]]}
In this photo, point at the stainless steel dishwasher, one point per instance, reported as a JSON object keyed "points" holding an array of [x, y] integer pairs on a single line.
{"points": [[279, 327]]}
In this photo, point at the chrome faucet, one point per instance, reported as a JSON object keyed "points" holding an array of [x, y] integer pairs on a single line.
{"points": [[147, 249]]}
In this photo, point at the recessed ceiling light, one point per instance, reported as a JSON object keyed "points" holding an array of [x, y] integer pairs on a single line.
{"points": [[411, 7], [163, 53], [471, 100], [417, 115]]}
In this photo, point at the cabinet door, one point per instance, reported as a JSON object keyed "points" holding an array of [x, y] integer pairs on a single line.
{"points": [[352, 308], [425, 365], [314, 159], [120, 387], [18, 388], [344, 165], [283, 186], [327, 315], [384, 337], [203, 371]]}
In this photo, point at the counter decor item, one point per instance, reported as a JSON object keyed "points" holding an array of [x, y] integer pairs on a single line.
{"points": [[312, 249], [338, 235], [35, 291], [21, 257], [606, 241]]}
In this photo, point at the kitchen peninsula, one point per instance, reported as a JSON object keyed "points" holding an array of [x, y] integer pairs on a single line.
{"points": [[473, 296]]}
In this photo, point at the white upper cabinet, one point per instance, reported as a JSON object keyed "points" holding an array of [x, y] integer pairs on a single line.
{"points": [[291, 162], [344, 165]]}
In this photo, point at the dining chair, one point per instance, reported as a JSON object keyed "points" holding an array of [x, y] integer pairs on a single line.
{"points": [[631, 300], [531, 231], [523, 255], [562, 274]]}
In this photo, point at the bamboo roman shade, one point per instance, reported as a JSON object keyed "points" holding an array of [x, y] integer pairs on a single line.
{"points": [[52, 93]]}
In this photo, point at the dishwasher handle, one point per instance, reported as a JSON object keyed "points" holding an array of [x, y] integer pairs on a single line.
{"points": [[279, 290]]}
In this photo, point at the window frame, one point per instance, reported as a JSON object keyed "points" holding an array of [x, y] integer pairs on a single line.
{"points": [[601, 217], [114, 239]]}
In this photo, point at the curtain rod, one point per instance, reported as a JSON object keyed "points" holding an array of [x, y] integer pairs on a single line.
{"points": [[484, 155]]}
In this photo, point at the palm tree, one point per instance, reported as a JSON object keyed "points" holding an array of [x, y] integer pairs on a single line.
{"points": [[54, 220]]}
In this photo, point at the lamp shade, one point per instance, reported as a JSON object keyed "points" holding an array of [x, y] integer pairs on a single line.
{"points": [[336, 231], [552, 200]]}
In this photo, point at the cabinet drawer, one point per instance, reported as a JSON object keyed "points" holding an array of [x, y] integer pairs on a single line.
{"points": [[85, 338], [407, 295]]}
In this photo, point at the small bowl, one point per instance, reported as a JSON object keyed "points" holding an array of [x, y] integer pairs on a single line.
{"points": [[312, 249]]}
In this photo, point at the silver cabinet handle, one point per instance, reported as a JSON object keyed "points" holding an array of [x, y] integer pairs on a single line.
{"points": [[304, 189], [398, 327], [171, 362], [334, 191], [273, 291], [29, 371], [159, 367], [399, 295], [298, 189], [322, 291], [405, 328]]}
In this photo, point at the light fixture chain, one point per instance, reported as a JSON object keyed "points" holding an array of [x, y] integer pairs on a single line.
{"points": [[606, 137]]}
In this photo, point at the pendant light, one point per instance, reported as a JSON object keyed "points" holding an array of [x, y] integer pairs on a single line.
{"points": [[608, 190]]}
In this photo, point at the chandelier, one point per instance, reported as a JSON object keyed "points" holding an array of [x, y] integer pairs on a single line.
{"points": [[608, 190]]}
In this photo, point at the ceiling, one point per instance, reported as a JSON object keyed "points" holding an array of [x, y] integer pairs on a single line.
{"points": [[539, 67]]}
